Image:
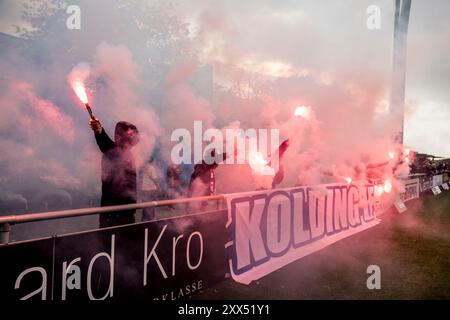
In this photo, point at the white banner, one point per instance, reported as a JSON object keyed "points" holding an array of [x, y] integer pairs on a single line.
{"points": [[436, 190], [427, 184], [412, 189], [270, 229], [437, 180], [400, 206]]}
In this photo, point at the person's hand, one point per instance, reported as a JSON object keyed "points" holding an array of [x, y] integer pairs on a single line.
{"points": [[95, 126]]}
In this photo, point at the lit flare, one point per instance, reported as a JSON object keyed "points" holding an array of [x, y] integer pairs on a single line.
{"points": [[80, 90], [387, 187], [259, 165], [303, 112]]}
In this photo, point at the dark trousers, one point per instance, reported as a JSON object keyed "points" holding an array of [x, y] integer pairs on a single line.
{"points": [[117, 218]]}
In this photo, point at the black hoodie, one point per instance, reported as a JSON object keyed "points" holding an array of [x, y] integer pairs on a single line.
{"points": [[118, 172]]}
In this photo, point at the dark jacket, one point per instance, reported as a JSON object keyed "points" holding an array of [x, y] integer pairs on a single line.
{"points": [[118, 172], [205, 172]]}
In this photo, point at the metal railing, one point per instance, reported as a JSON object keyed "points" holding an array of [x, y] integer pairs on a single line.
{"points": [[7, 221]]}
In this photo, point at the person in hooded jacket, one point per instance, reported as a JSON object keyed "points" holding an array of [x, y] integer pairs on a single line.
{"points": [[203, 180], [118, 171]]}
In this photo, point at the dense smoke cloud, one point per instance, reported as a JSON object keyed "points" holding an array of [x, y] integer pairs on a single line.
{"points": [[230, 64], [289, 60], [115, 69]]}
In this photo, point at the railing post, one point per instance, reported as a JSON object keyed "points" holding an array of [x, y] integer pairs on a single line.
{"points": [[5, 228]]}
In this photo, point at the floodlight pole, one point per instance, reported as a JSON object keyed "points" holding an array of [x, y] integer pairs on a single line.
{"points": [[397, 99]]}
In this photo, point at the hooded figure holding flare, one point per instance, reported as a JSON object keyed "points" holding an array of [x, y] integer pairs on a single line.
{"points": [[118, 170]]}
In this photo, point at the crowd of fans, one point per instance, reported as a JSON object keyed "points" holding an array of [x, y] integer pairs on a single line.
{"points": [[429, 165]]}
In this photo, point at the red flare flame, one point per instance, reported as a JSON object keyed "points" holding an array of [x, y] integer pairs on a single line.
{"points": [[303, 112], [379, 191], [80, 91], [259, 165], [387, 187]]}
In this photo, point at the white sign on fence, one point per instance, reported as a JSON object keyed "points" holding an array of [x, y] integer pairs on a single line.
{"points": [[438, 180], [436, 190], [400, 206]]}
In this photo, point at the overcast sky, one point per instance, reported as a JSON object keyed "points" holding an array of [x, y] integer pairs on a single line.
{"points": [[326, 37]]}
